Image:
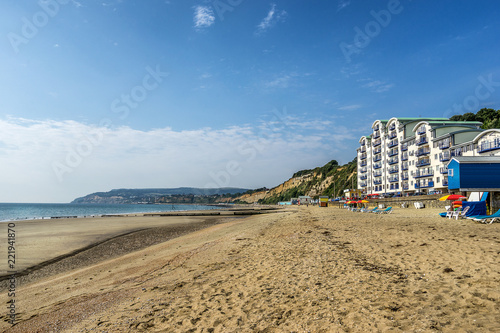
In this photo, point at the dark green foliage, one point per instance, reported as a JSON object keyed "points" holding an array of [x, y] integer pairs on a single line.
{"points": [[489, 117]]}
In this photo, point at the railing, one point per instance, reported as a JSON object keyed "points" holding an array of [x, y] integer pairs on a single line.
{"points": [[392, 127], [363, 184], [364, 177], [376, 134], [377, 174], [423, 162], [405, 187], [363, 149], [423, 151], [444, 157], [363, 156], [363, 163], [404, 176], [420, 174], [363, 170], [392, 135], [393, 160], [377, 150], [393, 179], [377, 182], [404, 166], [376, 128], [444, 145], [392, 152], [424, 185], [443, 170], [404, 147], [423, 140], [421, 130], [489, 145], [377, 143], [393, 170], [377, 166], [377, 158], [362, 143], [404, 157], [392, 143]]}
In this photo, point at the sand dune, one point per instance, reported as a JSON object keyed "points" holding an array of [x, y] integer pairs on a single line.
{"points": [[306, 270]]}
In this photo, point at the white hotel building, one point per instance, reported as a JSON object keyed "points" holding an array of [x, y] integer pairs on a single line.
{"points": [[411, 154]]}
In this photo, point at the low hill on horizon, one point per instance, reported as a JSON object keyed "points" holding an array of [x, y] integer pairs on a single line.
{"points": [[158, 195]]}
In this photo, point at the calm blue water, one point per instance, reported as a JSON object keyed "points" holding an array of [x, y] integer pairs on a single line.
{"points": [[22, 211]]}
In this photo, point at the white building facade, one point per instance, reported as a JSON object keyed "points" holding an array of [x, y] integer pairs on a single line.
{"points": [[406, 155]]}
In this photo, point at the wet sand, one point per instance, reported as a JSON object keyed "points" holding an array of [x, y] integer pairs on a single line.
{"points": [[312, 269]]}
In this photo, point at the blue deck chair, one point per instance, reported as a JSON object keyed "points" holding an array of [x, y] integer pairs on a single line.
{"points": [[485, 218]]}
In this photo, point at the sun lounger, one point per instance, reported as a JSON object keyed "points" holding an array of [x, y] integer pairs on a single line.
{"points": [[485, 218], [388, 210], [371, 210]]}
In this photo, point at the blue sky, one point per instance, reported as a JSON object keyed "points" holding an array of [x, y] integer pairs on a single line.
{"points": [[110, 94]]}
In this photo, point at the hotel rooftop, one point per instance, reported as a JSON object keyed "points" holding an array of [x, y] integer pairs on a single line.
{"points": [[409, 155]]}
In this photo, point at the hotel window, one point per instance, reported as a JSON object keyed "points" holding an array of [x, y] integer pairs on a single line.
{"points": [[437, 180], [435, 156]]}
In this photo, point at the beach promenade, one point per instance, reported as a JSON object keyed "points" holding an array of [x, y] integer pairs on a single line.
{"points": [[305, 269]]}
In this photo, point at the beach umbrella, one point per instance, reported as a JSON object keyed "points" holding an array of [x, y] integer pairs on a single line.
{"points": [[362, 201], [452, 197]]}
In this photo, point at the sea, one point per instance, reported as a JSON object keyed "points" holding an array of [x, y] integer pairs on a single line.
{"points": [[34, 211]]}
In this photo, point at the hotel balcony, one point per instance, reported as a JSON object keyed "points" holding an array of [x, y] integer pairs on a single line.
{"points": [[404, 176], [362, 144], [404, 157], [377, 182], [376, 128], [392, 135], [393, 160], [392, 152], [363, 184], [443, 157], [445, 182], [404, 166], [377, 166], [392, 127], [377, 158], [422, 141], [377, 150], [404, 147], [362, 170], [394, 170], [363, 149], [364, 177], [376, 134], [444, 145], [392, 143], [423, 162], [377, 174], [422, 173], [443, 170], [393, 179], [421, 130], [423, 151], [363, 156], [424, 185], [377, 143], [405, 187], [489, 145], [363, 163]]}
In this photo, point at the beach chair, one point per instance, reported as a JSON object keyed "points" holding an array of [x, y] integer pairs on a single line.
{"points": [[388, 210], [460, 213], [485, 218], [371, 210]]}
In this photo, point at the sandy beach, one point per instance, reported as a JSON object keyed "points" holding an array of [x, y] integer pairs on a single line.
{"points": [[307, 269]]}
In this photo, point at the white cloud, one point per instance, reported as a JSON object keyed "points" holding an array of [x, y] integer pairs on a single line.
{"points": [[272, 17], [343, 4], [203, 17], [350, 107], [57, 161], [376, 85]]}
